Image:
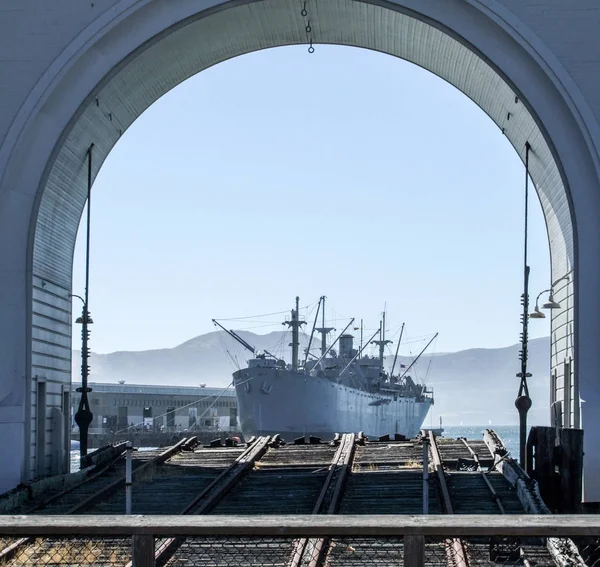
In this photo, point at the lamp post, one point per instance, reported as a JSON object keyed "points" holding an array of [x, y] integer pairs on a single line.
{"points": [[523, 401], [84, 416]]}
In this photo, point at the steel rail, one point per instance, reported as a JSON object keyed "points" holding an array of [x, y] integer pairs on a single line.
{"points": [[8, 552], [213, 494], [455, 547], [311, 551]]}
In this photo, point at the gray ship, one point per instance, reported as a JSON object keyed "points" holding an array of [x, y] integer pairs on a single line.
{"points": [[336, 391]]}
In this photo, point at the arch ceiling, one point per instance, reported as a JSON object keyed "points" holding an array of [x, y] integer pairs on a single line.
{"points": [[201, 42]]}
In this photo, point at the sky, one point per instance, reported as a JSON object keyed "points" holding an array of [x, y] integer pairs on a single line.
{"points": [[345, 173]]}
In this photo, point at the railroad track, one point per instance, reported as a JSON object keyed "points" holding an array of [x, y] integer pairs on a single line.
{"points": [[168, 489], [267, 477], [80, 499], [386, 478], [311, 551], [297, 479], [506, 550], [485, 493], [211, 495], [455, 548], [390, 475]]}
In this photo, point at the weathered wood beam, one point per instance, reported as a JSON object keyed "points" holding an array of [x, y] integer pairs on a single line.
{"points": [[304, 525], [563, 550]]}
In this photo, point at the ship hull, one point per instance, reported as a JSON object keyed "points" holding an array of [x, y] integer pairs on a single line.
{"points": [[278, 401]]}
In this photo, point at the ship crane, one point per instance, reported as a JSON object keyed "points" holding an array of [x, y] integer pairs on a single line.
{"points": [[307, 352], [244, 343], [416, 359]]}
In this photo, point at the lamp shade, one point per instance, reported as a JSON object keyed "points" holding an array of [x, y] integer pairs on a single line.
{"points": [[551, 304], [537, 314]]}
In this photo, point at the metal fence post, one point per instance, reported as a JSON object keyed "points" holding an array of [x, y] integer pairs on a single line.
{"points": [[425, 475], [414, 551], [128, 478], [142, 550]]}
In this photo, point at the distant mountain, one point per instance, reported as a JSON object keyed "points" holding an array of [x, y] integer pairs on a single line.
{"points": [[471, 386]]}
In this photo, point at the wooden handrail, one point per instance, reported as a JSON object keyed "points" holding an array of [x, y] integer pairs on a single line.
{"points": [[303, 525]]}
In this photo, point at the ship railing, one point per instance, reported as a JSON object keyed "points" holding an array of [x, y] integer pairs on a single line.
{"points": [[413, 541]]}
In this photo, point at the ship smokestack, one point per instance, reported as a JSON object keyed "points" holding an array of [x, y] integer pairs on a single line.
{"points": [[346, 346]]}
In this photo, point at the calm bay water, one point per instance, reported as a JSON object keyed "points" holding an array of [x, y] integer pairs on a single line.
{"points": [[75, 457], [508, 433]]}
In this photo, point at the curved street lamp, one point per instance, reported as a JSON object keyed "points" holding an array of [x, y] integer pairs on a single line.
{"points": [[550, 304]]}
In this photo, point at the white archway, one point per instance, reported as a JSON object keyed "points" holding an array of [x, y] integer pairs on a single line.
{"points": [[130, 55]]}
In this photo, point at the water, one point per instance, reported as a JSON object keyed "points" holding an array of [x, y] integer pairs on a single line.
{"points": [[74, 461], [75, 457], [508, 433]]}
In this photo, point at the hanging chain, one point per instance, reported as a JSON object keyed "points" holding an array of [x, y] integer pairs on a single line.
{"points": [[307, 28]]}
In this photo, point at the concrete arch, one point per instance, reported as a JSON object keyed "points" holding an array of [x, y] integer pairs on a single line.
{"points": [[119, 62]]}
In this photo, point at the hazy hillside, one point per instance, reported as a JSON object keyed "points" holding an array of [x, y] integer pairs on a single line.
{"points": [[472, 386]]}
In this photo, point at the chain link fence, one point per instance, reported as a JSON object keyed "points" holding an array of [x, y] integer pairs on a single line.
{"points": [[285, 546], [67, 551]]}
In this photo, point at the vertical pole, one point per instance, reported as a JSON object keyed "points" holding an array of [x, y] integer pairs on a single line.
{"points": [[414, 551], [381, 343], [323, 332], [142, 551], [295, 337], [84, 415], [567, 394], [128, 478], [576, 400], [523, 401], [361, 334], [425, 475]]}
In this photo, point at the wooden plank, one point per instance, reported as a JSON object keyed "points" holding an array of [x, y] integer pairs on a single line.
{"points": [[571, 470], [543, 465], [567, 397], [561, 547], [217, 490], [303, 525], [341, 464], [414, 551], [113, 486], [142, 551]]}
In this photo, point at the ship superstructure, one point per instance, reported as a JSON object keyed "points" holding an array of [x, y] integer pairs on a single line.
{"points": [[337, 391]]}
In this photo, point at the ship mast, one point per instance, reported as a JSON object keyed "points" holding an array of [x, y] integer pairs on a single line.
{"points": [[312, 334], [382, 342], [295, 324], [324, 330]]}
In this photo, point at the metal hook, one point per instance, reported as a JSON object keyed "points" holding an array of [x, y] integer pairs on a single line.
{"points": [[311, 49], [304, 12], [308, 28]]}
